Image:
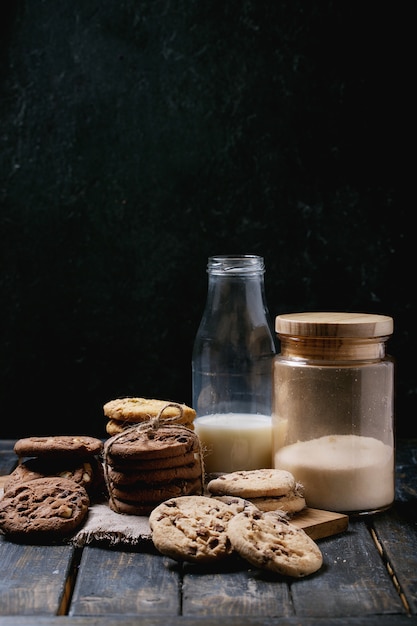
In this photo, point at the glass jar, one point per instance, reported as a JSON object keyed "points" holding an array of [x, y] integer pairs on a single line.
{"points": [[333, 409], [232, 367]]}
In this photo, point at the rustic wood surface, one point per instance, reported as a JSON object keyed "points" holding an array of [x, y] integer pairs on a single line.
{"points": [[369, 577]]}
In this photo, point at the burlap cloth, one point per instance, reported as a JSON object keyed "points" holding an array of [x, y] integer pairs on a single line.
{"points": [[106, 526]]}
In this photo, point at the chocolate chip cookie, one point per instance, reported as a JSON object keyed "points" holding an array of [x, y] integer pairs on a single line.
{"points": [[81, 472], [268, 541], [253, 483], [43, 509], [267, 489], [192, 528]]}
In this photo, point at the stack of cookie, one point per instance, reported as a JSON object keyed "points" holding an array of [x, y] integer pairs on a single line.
{"points": [[267, 489], [74, 457], [123, 413], [48, 495], [149, 464]]}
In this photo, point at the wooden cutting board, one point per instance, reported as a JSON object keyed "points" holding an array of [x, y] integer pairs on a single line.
{"points": [[318, 524]]}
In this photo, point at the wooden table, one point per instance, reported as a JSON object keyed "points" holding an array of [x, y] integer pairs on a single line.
{"points": [[369, 578]]}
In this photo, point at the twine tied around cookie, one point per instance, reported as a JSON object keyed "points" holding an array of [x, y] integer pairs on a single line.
{"points": [[148, 427]]}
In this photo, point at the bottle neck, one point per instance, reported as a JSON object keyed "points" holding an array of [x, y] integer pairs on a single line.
{"points": [[333, 348], [235, 265], [236, 292], [236, 286]]}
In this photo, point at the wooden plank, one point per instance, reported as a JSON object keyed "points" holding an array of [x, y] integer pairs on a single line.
{"points": [[407, 485], [121, 582], [33, 579], [233, 587], [356, 586], [396, 538], [8, 461], [352, 582], [7, 444], [208, 620], [318, 524]]}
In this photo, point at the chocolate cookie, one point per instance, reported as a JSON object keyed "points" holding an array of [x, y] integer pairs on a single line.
{"points": [[131, 508], [81, 472], [58, 446], [114, 427], [156, 492], [88, 473], [43, 509], [163, 442], [142, 489], [189, 471], [147, 497], [146, 465]]}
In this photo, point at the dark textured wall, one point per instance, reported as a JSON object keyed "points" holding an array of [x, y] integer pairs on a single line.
{"points": [[140, 137]]}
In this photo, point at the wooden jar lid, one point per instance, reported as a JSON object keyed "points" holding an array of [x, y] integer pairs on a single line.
{"points": [[328, 324], [333, 336]]}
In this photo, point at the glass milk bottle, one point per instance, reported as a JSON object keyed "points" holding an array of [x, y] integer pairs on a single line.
{"points": [[333, 413], [232, 367]]}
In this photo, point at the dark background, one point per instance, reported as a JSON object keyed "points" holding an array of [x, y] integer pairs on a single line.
{"points": [[140, 137]]}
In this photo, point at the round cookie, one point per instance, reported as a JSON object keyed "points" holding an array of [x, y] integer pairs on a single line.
{"points": [[142, 409], [43, 509], [163, 442], [147, 465], [131, 508], [58, 446], [190, 471], [156, 492], [289, 503], [88, 473], [191, 528], [269, 541], [253, 483], [114, 427], [81, 472]]}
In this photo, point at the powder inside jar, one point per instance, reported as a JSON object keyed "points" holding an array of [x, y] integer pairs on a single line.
{"points": [[343, 473]]}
